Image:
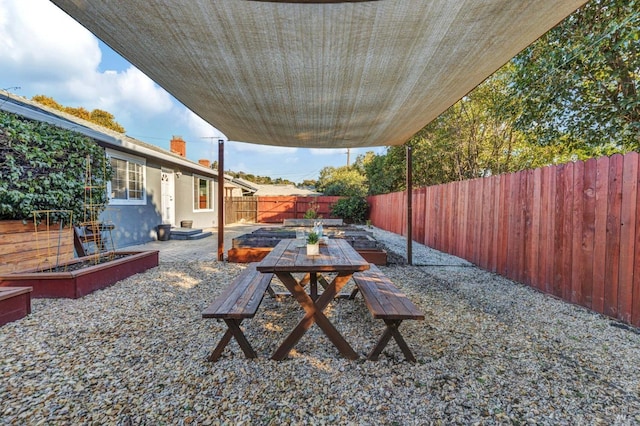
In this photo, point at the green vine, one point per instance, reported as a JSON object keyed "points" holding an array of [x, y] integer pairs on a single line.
{"points": [[43, 168]]}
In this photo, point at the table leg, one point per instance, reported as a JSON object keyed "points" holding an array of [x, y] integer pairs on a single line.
{"points": [[313, 286], [314, 278], [313, 314]]}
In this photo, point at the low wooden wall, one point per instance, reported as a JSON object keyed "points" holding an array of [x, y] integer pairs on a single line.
{"points": [[22, 246]]}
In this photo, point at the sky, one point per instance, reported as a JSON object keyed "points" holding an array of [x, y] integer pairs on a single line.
{"points": [[43, 51]]}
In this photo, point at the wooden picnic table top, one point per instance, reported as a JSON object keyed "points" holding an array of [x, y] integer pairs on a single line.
{"points": [[291, 256]]}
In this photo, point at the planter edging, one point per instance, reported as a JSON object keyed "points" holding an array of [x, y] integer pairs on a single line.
{"points": [[78, 283]]}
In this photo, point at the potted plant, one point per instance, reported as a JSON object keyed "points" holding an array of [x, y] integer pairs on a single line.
{"points": [[313, 244]]}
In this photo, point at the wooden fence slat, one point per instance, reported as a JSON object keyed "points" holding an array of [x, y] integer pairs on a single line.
{"points": [[627, 235], [475, 210], [585, 262], [576, 242], [494, 250], [519, 227], [454, 231], [535, 248], [558, 260], [503, 227], [546, 223], [437, 214], [612, 258], [635, 318], [486, 224], [600, 233], [465, 223]]}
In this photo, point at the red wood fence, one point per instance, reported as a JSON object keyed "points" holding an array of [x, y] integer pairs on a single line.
{"points": [[571, 230], [276, 209]]}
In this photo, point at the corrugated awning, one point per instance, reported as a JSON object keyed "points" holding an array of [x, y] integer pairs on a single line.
{"points": [[318, 75]]}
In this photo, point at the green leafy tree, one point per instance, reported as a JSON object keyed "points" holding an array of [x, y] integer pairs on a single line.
{"points": [[346, 181], [578, 84], [475, 137], [379, 178], [308, 183], [351, 210]]}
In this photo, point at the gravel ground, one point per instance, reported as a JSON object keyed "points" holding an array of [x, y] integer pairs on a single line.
{"points": [[489, 352]]}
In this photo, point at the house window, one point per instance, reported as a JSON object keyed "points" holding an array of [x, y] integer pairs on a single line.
{"points": [[202, 193], [127, 181]]}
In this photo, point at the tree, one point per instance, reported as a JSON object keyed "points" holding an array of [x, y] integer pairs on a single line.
{"points": [[308, 183], [346, 181], [578, 84], [97, 116], [475, 137], [105, 119]]}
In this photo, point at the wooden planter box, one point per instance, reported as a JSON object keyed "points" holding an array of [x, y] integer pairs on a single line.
{"points": [[255, 246], [77, 283], [22, 247], [15, 303]]}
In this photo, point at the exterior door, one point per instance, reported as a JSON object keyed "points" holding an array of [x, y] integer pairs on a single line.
{"points": [[167, 199]]}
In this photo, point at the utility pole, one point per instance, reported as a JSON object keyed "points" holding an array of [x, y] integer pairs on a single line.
{"points": [[348, 156]]}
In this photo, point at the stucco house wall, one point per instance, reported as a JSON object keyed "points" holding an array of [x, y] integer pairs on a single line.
{"points": [[135, 221]]}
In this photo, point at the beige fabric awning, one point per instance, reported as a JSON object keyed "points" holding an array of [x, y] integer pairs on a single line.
{"points": [[337, 74]]}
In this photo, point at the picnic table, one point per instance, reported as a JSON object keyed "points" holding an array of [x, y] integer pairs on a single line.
{"points": [[336, 257]]}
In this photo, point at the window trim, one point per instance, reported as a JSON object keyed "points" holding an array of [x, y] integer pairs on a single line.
{"points": [[129, 159], [212, 194]]}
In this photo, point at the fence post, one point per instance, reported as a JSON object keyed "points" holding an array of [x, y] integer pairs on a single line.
{"points": [[409, 207]]}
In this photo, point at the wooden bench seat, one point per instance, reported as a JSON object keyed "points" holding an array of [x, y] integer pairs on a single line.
{"points": [[238, 301], [385, 301]]}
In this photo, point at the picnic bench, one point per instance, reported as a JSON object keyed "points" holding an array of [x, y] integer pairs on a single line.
{"points": [[385, 301], [240, 300]]}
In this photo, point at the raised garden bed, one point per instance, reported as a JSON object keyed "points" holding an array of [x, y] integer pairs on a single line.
{"points": [[15, 303], [255, 246], [82, 276]]}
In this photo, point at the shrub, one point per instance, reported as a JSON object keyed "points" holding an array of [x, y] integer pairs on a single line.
{"points": [[351, 210], [44, 167]]}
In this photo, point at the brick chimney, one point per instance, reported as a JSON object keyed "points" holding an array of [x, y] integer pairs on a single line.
{"points": [[204, 162], [178, 146]]}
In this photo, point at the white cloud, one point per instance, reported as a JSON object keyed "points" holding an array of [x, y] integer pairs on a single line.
{"points": [[31, 49], [200, 127], [44, 49], [327, 151], [265, 149]]}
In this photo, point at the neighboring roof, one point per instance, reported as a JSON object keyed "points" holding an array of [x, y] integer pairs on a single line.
{"points": [[320, 73], [246, 185], [283, 190], [104, 136]]}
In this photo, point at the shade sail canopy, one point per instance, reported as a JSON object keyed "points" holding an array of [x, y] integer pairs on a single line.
{"points": [[318, 75]]}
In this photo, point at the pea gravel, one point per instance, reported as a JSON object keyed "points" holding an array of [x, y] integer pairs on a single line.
{"points": [[489, 352]]}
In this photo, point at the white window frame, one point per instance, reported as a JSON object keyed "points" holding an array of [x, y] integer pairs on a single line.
{"points": [[129, 159], [212, 189]]}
